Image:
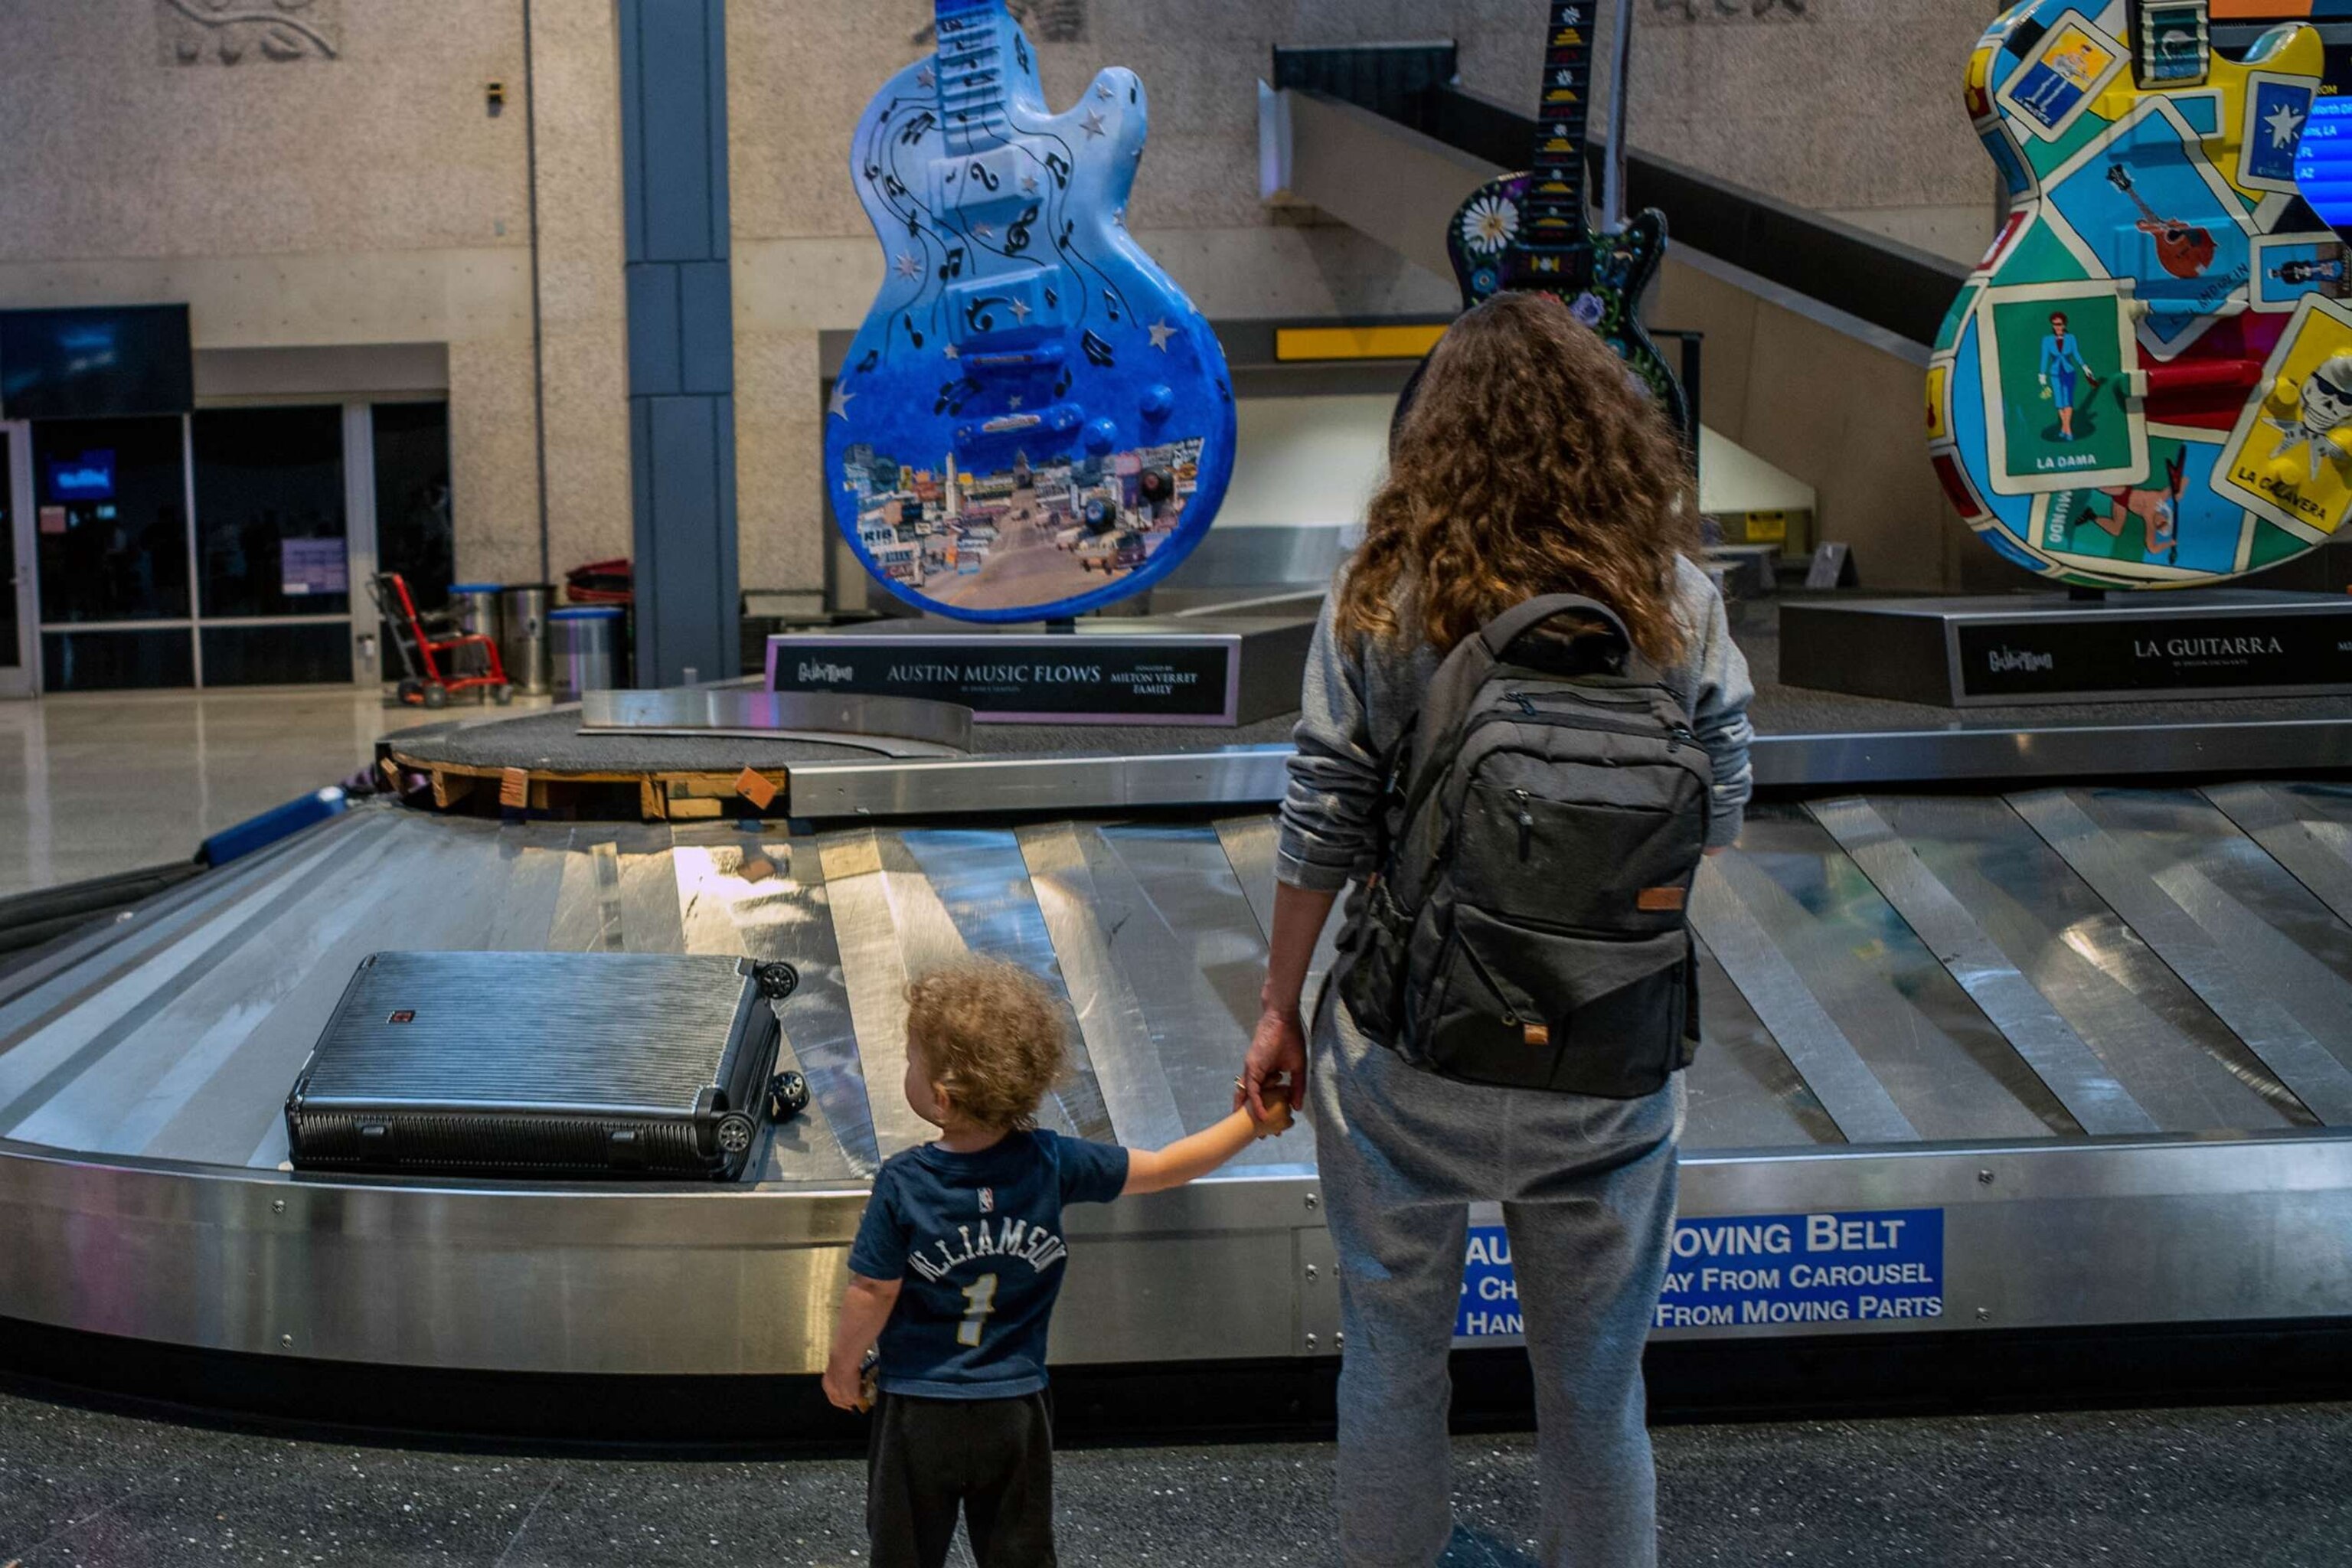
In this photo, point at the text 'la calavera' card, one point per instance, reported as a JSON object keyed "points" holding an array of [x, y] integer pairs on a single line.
{"points": [[2059, 360], [2290, 457]]}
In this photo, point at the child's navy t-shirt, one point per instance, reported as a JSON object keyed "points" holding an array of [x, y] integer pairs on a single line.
{"points": [[977, 1241]]}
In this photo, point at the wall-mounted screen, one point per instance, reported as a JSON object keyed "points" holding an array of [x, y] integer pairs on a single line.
{"points": [[100, 362]]}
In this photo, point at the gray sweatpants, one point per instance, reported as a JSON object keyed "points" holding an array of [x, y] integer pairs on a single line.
{"points": [[1588, 1194]]}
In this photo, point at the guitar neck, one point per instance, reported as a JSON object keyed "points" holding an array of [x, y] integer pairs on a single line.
{"points": [[1555, 242], [976, 44]]}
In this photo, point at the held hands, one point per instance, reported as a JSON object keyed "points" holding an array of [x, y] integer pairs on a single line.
{"points": [[850, 1388], [1277, 1062], [843, 1386], [1277, 1118]]}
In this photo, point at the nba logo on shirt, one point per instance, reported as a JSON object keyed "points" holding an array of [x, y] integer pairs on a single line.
{"points": [[988, 1200]]}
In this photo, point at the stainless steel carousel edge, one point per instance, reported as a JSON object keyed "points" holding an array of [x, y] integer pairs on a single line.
{"points": [[687, 1280]]}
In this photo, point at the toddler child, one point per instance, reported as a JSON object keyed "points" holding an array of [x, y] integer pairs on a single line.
{"points": [[959, 1260]]}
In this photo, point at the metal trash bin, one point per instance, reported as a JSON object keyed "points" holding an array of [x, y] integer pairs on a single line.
{"points": [[523, 637], [586, 649], [477, 608]]}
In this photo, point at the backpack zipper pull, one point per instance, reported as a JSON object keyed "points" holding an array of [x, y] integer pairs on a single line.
{"points": [[1679, 734], [1526, 703], [1527, 825]]}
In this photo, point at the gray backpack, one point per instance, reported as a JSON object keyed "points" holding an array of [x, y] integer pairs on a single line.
{"points": [[1545, 817]]}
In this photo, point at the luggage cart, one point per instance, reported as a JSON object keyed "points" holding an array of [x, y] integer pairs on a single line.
{"points": [[423, 639]]}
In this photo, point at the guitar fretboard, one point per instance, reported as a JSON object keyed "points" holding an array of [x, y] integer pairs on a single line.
{"points": [[1555, 244], [973, 40]]}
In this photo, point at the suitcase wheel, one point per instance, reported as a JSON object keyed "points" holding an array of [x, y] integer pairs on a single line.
{"points": [[788, 1096], [778, 981], [735, 1131]]}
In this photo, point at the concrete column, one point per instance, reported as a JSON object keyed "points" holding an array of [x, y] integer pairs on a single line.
{"points": [[681, 369], [582, 348]]}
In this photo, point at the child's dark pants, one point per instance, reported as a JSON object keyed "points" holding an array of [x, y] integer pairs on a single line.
{"points": [[993, 1456]]}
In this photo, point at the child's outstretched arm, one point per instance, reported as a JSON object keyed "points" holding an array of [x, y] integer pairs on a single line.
{"points": [[865, 1308], [1155, 1170]]}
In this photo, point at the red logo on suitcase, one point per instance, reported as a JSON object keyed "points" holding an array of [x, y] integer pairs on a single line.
{"points": [[405, 1016]]}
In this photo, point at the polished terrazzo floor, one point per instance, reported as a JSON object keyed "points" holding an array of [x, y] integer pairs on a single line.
{"points": [[2251, 1488], [95, 783]]}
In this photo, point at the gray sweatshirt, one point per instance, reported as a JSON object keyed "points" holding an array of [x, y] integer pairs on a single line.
{"points": [[1356, 699]]}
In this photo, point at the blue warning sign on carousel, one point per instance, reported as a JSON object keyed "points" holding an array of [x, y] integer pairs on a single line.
{"points": [[1869, 1267]]}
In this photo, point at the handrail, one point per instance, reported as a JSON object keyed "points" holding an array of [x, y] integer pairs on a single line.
{"points": [[1898, 287]]}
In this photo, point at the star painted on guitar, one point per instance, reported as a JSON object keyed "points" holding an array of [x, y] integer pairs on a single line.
{"points": [[2283, 124], [909, 268], [981, 231], [1093, 123], [925, 78], [1019, 307], [1102, 90], [950, 351], [1028, 184], [1160, 333], [841, 396], [1013, 401]]}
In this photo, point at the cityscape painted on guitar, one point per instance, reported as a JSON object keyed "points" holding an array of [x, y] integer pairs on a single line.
{"points": [[1034, 421], [2147, 381]]}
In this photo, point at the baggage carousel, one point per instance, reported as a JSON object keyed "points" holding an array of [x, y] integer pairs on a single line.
{"points": [[2052, 1011]]}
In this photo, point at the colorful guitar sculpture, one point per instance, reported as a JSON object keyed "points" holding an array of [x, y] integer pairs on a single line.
{"points": [[1529, 231], [2139, 386], [1032, 401]]}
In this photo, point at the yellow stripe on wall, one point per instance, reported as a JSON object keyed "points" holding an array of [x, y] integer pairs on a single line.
{"points": [[1354, 343]]}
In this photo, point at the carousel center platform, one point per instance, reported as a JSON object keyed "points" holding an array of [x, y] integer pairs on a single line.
{"points": [[2064, 995]]}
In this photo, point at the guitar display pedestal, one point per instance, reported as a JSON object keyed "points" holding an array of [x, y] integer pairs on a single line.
{"points": [[1223, 671], [2028, 648]]}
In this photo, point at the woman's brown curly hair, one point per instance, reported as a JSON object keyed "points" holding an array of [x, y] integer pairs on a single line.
{"points": [[1527, 462], [991, 1037]]}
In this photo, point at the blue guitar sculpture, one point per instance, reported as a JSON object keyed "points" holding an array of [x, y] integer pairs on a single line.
{"points": [[1034, 421]]}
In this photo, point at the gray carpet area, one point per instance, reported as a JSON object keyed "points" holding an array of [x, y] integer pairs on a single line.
{"points": [[2261, 1488]]}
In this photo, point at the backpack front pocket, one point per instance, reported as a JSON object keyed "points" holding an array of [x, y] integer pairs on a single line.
{"points": [[1593, 865], [1530, 1006]]}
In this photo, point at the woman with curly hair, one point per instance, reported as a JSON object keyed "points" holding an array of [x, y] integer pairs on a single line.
{"points": [[1526, 463]]}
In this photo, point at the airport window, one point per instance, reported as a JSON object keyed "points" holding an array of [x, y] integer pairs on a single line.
{"points": [[269, 514], [116, 661], [287, 654], [414, 536], [111, 524], [9, 629]]}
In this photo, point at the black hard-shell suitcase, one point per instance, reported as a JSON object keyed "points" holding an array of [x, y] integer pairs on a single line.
{"points": [[541, 1064]]}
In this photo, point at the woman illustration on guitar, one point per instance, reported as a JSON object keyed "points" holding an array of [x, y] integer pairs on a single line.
{"points": [[2062, 360]]}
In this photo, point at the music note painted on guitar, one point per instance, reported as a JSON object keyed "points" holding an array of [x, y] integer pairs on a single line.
{"points": [[1026, 429]]}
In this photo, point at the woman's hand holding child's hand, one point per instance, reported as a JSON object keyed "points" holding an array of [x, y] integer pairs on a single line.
{"points": [[1277, 1118]]}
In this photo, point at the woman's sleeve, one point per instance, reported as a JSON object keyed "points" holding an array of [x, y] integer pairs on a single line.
{"points": [[1329, 810], [1720, 701]]}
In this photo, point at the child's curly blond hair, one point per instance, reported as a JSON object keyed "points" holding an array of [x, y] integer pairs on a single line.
{"points": [[991, 1036]]}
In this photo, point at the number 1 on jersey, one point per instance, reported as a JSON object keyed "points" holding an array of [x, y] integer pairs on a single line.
{"points": [[982, 1295]]}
